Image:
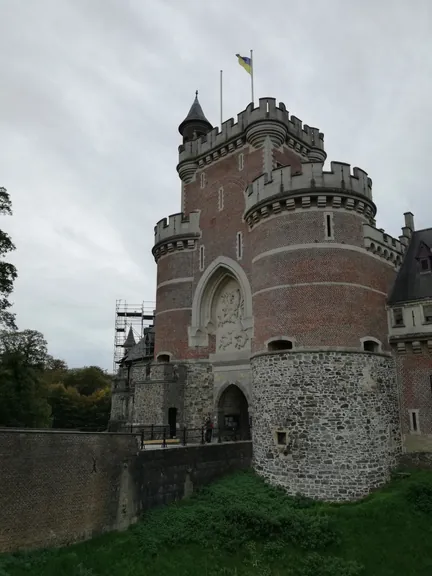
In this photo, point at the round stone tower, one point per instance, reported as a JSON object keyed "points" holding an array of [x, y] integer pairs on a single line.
{"points": [[324, 390]]}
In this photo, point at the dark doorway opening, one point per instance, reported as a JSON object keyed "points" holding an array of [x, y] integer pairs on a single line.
{"points": [[172, 422], [233, 415]]}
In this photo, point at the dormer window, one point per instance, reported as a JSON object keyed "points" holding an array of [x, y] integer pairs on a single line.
{"points": [[427, 314], [398, 319], [425, 264]]}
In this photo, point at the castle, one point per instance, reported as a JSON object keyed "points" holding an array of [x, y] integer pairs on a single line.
{"points": [[281, 307]]}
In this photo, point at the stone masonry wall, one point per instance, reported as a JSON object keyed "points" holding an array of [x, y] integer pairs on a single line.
{"points": [[198, 393], [58, 488], [339, 412]]}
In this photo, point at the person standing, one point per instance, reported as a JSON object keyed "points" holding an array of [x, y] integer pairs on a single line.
{"points": [[208, 429]]}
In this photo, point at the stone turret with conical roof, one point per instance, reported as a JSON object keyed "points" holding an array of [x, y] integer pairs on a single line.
{"points": [[195, 124]]}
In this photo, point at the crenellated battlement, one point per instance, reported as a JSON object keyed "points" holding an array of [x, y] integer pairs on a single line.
{"points": [[285, 190], [177, 232], [276, 123], [312, 176], [383, 245]]}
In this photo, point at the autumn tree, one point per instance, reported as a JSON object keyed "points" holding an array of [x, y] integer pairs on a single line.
{"points": [[8, 271]]}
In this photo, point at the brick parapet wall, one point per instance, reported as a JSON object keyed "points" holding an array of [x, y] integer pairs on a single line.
{"points": [[61, 487]]}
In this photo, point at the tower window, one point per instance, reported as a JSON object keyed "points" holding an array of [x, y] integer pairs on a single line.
{"points": [[281, 438], [425, 264], [328, 225], [370, 346], [220, 198], [241, 161], [202, 179], [239, 245], [398, 319], [427, 313], [414, 421], [163, 358], [201, 258], [279, 345]]}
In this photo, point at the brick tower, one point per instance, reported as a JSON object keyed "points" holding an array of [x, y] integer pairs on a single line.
{"points": [[271, 305]]}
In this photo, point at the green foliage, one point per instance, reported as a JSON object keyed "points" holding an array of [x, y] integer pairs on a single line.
{"points": [[8, 272], [72, 410], [87, 380], [240, 526], [22, 389], [419, 494]]}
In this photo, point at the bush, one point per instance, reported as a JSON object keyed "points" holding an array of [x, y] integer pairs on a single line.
{"points": [[419, 494]]}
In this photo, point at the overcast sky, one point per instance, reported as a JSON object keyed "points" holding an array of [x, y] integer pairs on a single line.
{"points": [[92, 93]]}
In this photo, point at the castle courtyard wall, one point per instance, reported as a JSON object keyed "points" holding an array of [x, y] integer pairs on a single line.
{"points": [[59, 487]]}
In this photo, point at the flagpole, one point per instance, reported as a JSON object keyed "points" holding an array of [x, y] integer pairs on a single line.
{"points": [[221, 116], [252, 75]]}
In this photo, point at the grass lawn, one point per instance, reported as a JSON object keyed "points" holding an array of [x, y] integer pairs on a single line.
{"points": [[240, 526]]}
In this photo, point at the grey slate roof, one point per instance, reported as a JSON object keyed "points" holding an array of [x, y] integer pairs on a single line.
{"points": [[130, 340], [410, 283], [141, 349], [195, 114]]}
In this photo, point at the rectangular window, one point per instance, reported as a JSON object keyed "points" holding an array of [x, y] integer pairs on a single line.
{"points": [[398, 319], [328, 225], [220, 198], [202, 179], [427, 313], [281, 438], [201, 258], [241, 161], [425, 265], [239, 245], [414, 421]]}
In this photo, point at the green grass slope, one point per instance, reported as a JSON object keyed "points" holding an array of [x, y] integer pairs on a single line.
{"points": [[241, 526]]}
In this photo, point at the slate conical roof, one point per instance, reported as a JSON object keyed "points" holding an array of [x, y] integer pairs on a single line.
{"points": [[130, 340], [196, 117]]}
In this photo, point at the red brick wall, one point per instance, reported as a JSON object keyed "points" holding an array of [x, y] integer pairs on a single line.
{"points": [[414, 372], [61, 487], [219, 237], [317, 315]]}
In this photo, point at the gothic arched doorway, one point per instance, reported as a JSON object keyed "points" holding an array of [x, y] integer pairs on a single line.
{"points": [[233, 415]]}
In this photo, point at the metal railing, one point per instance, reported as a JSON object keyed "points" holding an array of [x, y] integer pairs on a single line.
{"points": [[164, 436]]}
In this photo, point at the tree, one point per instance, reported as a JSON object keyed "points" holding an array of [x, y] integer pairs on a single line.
{"points": [[30, 344], [87, 380], [8, 272], [23, 392]]}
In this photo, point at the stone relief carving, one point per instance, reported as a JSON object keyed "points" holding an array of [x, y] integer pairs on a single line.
{"points": [[230, 335]]}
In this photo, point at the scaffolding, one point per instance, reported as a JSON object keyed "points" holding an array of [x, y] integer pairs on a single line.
{"points": [[135, 316]]}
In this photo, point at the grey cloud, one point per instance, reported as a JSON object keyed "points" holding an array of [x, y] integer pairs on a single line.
{"points": [[92, 94]]}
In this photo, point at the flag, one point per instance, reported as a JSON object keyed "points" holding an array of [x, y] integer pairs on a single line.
{"points": [[245, 62]]}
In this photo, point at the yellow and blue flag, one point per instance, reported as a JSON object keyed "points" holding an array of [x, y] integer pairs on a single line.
{"points": [[245, 62]]}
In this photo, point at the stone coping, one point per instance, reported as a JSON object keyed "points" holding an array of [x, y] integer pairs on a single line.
{"points": [[321, 351]]}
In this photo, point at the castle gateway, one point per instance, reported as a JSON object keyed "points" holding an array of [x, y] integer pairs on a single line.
{"points": [[280, 302]]}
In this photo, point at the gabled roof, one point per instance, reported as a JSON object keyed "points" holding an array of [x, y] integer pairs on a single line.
{"points": [[410, 283]]}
